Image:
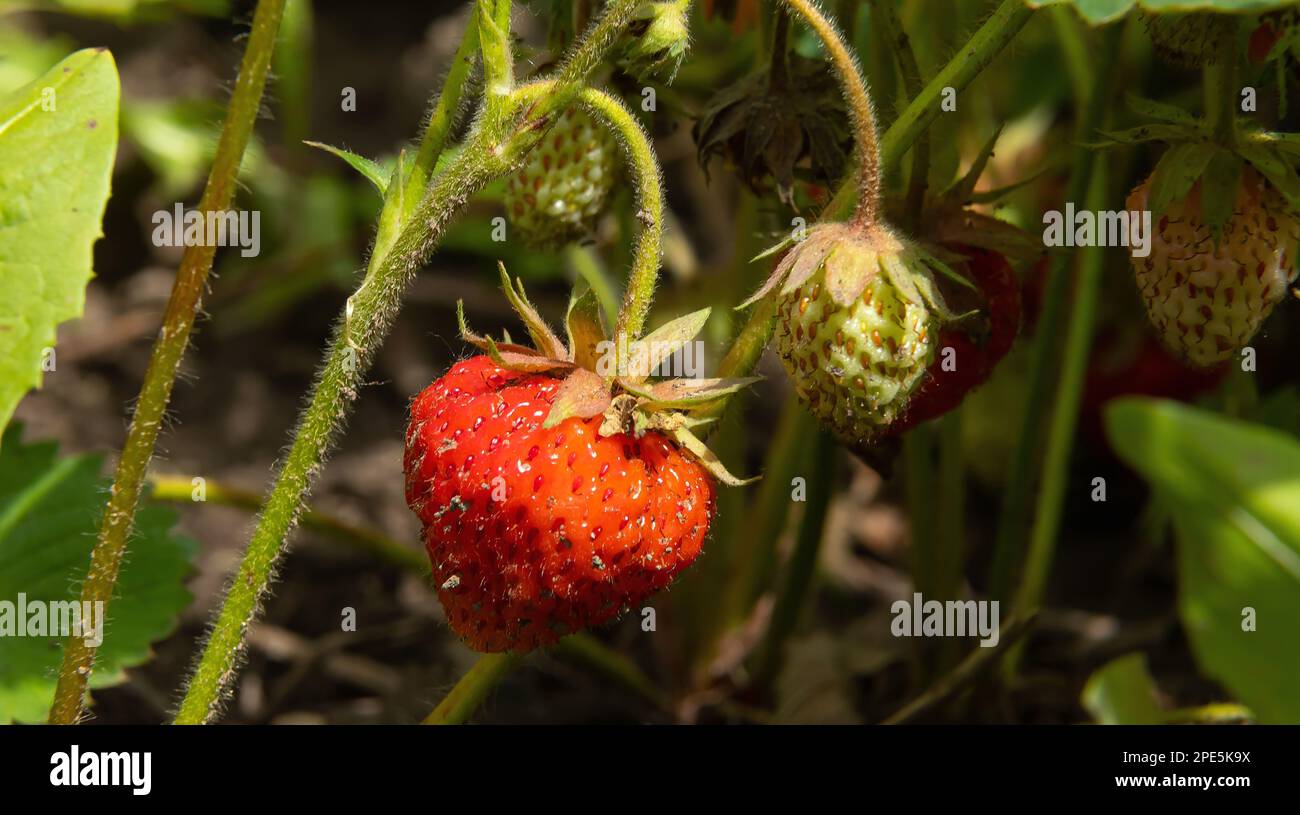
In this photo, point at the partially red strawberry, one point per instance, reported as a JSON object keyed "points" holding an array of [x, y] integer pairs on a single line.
{"points": [[965, 359], [554, 497]]}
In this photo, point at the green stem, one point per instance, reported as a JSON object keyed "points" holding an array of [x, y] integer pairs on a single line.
{"points": [[964, 674], [951, 545], [1222, 86], [859, 103], [165, 359], [292, 65], [1216, 713], [918, 458], [745, 351], [587, 266], [987, 42], [600, 659], [498, 143], [579, 648], [893, 31], [463, 699], [498, 62], [1064, 419], [795, 588], [1013, 520], [640, 158], [1074, 49], [756, 554], [180, 490], [445, 110]]}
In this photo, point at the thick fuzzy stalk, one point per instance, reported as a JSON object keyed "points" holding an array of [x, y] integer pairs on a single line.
{"points": [[498, 143], [859, 103], [640, 157], [165, 359], [445, 109]]}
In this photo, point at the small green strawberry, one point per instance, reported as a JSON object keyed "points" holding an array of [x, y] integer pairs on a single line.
{"points": [[564, 184], [659, 38], [1187, 40], [857, 319]]}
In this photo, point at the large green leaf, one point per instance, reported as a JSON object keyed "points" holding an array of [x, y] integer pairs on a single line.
{"points": [[49, 513], [1123, 692], [58, 137], [1104, 11], [1234, 488]]}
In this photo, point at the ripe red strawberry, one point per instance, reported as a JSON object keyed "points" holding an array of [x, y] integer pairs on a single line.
{"points": [[534, 533], [972, 358]]}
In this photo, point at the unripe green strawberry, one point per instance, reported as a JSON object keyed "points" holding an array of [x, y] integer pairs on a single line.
{"points": [[1187, 40], [660, 36], [1207, 301], [564, 184], [857, 319]]}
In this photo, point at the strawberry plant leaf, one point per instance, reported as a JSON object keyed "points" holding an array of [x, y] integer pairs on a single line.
{"points": [[1100, 12], [49, 514], [1176, 173], [1142, 134], [1275, 168], [368, 168], [1234, 489], [1122, 692], [58, 139], [1161, 111]]}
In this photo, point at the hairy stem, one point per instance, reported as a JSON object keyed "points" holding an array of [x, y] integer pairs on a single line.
{"points": [[494, 45], [1013, 520], [892, 29], [578, 648], [499, 142], [463, 699], [165, 359], [986, 43], [180, 490], [859, 103], [445, 110], [640, 157]]}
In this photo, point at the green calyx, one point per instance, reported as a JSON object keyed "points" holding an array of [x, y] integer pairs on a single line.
{"points": [[1198, 154], [612, 378]]}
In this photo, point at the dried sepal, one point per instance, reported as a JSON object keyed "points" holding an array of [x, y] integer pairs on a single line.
{"points": [[706, 457], [483, 343], [582, 394], [544, 339], [526, 360]]}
